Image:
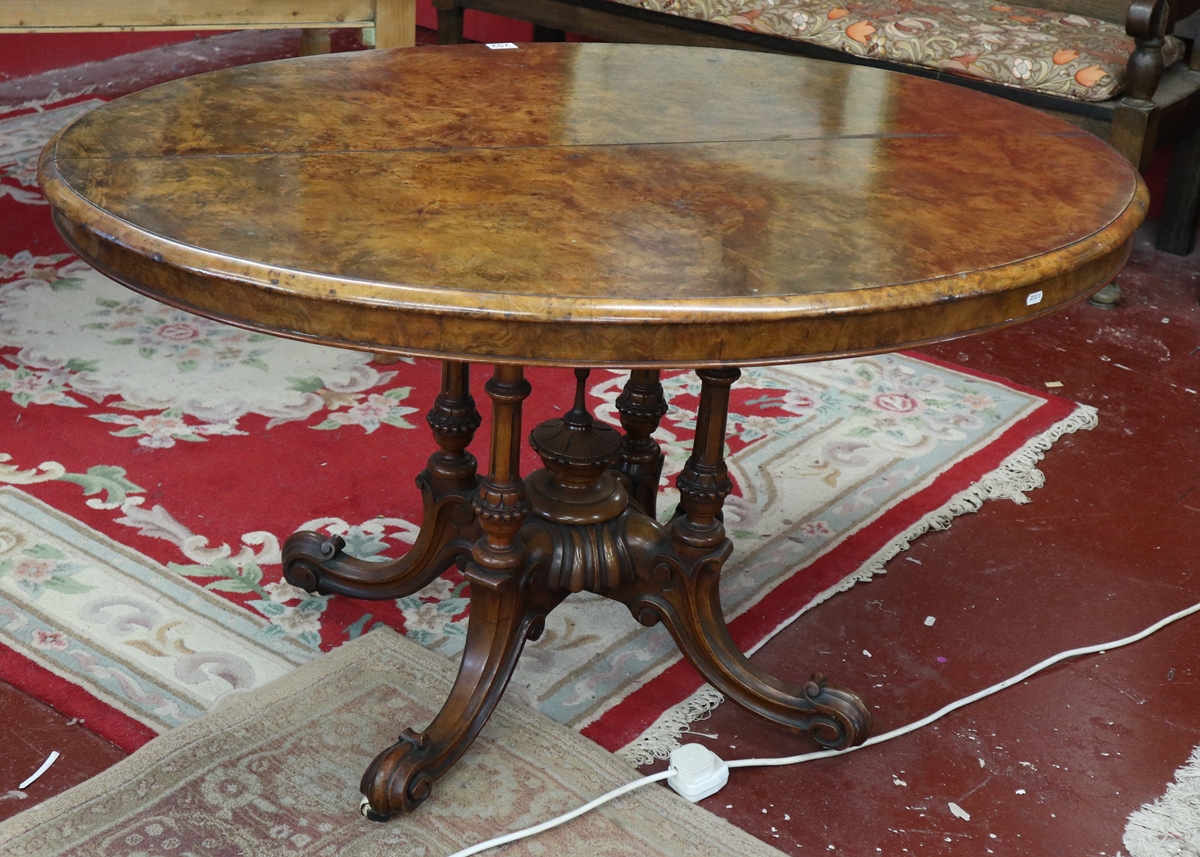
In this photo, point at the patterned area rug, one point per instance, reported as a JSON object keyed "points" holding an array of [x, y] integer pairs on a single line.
{"points": [[276, 772], [152, 463]]}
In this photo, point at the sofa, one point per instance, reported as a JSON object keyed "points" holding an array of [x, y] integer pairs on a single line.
{"points": [[1113, 67]]}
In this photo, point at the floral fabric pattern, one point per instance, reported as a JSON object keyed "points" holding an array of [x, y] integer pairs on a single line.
{"points": [[1019, 46]]}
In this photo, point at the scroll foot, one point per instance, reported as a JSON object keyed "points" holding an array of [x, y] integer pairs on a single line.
{"points": [[688, 603], [448, 484], [316, 563], [505, 610], [681, 587]]}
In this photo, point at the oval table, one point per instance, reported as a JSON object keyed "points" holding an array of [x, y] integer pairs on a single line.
{"points": [[586, 205]]}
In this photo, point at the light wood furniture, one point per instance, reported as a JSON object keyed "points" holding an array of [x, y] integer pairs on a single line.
{"points": [[385, 23], [1157, 108], [543, 206]]}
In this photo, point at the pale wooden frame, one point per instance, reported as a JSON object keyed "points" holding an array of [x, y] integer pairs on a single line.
{"points": [[393, 22]]}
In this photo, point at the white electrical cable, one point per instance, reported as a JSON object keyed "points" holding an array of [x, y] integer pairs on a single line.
{"points": [[562, 819], [825, 754], [975, 697], [50, 760]]}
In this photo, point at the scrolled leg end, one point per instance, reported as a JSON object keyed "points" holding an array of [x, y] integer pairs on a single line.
{"points": [[395, 781], [304, 554], [841, 718]]}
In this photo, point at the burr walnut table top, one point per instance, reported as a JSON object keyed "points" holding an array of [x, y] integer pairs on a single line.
{"points": [[592, 204]]}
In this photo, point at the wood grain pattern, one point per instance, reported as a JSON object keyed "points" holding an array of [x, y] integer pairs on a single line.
{"points": [[592, 204]]}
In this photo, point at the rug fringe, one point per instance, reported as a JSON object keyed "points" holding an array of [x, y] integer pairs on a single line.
{"points": [[1016, 474], [1169, 827], [662, 737]]}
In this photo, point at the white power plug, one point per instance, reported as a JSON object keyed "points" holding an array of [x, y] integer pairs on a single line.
{"points": [[699, 772]]}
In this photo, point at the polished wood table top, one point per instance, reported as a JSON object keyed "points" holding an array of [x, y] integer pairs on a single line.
{"points": [[588, 204]]}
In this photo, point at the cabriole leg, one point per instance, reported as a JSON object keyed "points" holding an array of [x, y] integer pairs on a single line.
{"points": [[681, 588], [508, 605], [315, 562]]}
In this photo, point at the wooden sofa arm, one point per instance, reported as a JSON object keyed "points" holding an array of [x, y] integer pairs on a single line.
{"points": [[1146, 23]]}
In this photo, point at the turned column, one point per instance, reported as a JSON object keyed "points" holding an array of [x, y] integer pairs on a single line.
{"points": [[501, 504], [704, 482], [453, 420], [642, 407]]}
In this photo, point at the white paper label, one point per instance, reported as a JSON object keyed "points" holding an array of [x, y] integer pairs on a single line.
{"points": [[1033, 298], [502, 46]]}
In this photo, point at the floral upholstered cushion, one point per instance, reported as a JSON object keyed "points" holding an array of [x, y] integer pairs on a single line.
{"points": [[1051, 52]]}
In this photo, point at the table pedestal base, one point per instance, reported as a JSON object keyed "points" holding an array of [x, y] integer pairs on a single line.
{"points": [[585, 522]]}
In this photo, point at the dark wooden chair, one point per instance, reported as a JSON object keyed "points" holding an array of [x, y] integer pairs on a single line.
{"points": [[1158, 106]]}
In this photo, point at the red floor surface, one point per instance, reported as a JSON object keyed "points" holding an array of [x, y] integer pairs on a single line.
{"points": [[1052, 766], [1107, 547]]}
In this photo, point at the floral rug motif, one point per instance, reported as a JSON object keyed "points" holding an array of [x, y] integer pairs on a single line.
{"points": [[87, 337], [155, 461]]}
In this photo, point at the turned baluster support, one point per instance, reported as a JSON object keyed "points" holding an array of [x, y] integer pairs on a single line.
{"points": [[642, 407], [704, 482]]}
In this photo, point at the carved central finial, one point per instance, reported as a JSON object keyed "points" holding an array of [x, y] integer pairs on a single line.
{"points": [[576, 486], [579, 418]]}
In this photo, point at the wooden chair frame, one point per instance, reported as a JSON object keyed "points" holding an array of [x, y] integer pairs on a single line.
{"points": [[386, 23]]}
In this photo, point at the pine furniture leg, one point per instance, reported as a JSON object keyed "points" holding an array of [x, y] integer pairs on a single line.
{"points": [[395, 23]]}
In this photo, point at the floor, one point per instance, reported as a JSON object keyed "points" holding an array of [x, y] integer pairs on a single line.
{"points": [[1051, 766]]}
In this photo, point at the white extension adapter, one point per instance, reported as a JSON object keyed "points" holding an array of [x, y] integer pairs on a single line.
{"points": [[699, 772]]}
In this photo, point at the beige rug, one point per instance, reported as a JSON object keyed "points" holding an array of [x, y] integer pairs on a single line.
{"points": [[276, 771]]}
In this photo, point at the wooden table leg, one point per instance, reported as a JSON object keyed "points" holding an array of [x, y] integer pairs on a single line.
{"points": [[508, 605], [580, 523], [315, 562], [680, 586]]}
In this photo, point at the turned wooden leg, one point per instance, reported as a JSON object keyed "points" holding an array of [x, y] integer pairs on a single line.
{"points": [[704, 482], [314, 41], [681, 587], [508, 605], [315, 562], [449, 21], [642, 406]]}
